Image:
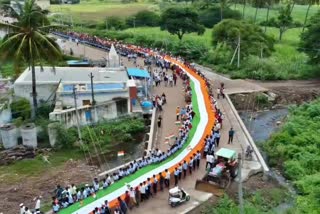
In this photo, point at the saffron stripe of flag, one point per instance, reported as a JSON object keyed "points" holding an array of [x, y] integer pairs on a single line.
{"points": [[120, 153]]}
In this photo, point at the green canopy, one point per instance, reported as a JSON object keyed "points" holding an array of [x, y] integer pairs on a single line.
{"points": [[226, 153]]}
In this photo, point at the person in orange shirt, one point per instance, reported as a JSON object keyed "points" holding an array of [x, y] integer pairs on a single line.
{"points": [[178, 112]]}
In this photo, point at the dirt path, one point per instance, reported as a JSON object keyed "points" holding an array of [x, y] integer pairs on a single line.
{"points": [[27, 188], [292, 91]]}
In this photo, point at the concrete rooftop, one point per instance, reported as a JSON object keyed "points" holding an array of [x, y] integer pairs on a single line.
{"points": [[74, 75]]}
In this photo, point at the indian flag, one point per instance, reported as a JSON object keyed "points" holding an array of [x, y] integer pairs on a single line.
{"points": [[178, 123], [120, 153]]}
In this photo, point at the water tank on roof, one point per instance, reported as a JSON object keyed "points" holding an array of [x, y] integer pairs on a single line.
{"points": [[29, 135], [9, 136]]}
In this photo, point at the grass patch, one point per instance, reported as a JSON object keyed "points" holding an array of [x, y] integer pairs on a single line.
{"points": [[35, 167], [156, 33], [97, 10]]}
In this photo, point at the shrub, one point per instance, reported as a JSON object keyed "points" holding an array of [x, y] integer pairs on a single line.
{"points": [[220, 54], [66, 138], [44, 110], [115, 23], [144, 18], [21, 108]]}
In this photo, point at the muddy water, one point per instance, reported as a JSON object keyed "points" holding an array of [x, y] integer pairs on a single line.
{"points": [[261, 125]]}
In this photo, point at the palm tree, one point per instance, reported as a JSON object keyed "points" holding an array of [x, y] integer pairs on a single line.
{"points": [[27, 42], [223, 5], [244, 8], [269, 3], [257, 5], [310, 3]]}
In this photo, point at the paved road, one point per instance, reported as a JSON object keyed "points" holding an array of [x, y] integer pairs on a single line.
{"points": [[175, 97]]}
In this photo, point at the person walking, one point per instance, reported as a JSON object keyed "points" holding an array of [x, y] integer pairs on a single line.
{"points": [[127, 199], [37, 206], [123, 206], [190, 165], [217, 138], [177, 113], [161, 178], [155, 184], [133, 201], [231, 134], [138, 195], [174, 79], [180, 171], [107, 207], [198, 157], [167, 178], [149, 187], [185, 168], [142, 192], [159, 121], [194, 161], [176, 176], [208, 159]]}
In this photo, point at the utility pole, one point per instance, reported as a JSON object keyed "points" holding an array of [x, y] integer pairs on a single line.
{"points": [[234, 54], [92, 92], [239, 47], [106, 24], [77, 114]]}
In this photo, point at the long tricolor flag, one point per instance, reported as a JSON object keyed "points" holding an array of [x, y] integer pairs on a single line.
{"points": [[120, 153]]}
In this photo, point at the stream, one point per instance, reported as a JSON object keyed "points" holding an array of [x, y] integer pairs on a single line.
{"points": [[261, 125]]}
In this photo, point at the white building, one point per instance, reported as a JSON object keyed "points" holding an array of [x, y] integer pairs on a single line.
{"points": [[113, 91]]}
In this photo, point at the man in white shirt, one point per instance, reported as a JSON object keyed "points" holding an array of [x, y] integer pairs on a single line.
{"points": [[132, 194], [142, 192], [22, 208], [37, 206], [208, 159]]}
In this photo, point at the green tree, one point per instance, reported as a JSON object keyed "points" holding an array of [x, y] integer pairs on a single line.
{"points": [[28, 42], [179, 21], [147, 18], [310, 39], [211, 16], [284, 19], [115, 23], [252, 37]]}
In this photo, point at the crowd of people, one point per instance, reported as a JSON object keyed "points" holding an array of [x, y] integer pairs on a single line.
{"points": [[69, 195]]}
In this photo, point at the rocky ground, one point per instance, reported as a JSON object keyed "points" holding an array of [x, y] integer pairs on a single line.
{"points": [[254, 183], [26, 188]]}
